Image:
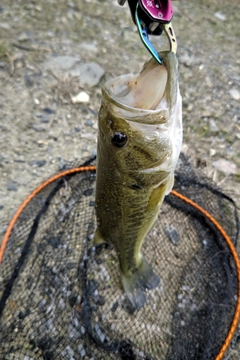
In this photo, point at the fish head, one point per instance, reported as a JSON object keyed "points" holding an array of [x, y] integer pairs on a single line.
{"points": [[140, 126], [132, 142]]}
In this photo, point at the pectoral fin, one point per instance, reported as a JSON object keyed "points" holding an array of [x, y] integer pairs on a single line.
{"points": [[98, 239]]}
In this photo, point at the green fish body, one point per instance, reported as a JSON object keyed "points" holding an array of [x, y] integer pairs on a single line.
{"points": [[139, 141]]}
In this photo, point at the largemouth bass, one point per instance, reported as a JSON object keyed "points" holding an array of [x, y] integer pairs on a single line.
{"points": [[139, 141]]}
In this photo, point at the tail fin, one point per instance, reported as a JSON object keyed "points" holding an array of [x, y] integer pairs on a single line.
{"points": [[136, 285]]}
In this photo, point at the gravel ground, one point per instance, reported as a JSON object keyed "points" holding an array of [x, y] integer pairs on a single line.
{"points": [[40, 125], [50, 51]]}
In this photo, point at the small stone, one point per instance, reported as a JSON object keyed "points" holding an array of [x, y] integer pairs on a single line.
{"points": [[114, 306], [212, 152], [220, 16], [36, 101], [89, 73], [62, 164], [29, 80], [93, 285], [38, 128], [44, 119], [235, 94], [62, 62], [38, 163], [88, 47], [5, 26], [99, 300], [172, 234], [48, 111], [82, 97], [11, 186], [225, 166], [1, 207], [88, 123], [213, 126], [23, 37], [81, 350]]}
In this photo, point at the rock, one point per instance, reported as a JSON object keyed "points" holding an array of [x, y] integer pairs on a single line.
{"points": [[212, 152], [213, 126], [89, 73], [88, 123], [38, 163], [220, 16], [44, 119], [235, 94], [99, 300], [48, 111], [29, 80], [38, 128], [36, 101], [11, 186], [23, 37], [82, 97], [62, 62], [5, 26], [92, 286], [172, 234], [88, 47], [1, 206], [225, 166]]}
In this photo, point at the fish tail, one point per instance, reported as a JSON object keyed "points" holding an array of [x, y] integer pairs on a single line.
{"points": [[138, 282]]}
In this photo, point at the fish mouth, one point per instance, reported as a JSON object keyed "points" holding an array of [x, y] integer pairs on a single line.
{"points": [[143, 91]]}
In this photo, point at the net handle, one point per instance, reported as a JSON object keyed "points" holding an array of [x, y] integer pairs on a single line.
{"points": [[232, 249]]}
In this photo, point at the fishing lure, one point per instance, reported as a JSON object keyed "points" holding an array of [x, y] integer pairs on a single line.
{"points": [[152, 17]]}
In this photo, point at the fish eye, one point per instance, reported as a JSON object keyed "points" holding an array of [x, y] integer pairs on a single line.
{"points": [[119, 139]]}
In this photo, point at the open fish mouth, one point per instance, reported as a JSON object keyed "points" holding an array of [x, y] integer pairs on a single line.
{"points": [[142, 91]]}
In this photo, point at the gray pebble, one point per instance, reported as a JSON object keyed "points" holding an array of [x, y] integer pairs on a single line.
{"points": [[58, 63], [1, 207], [11, 186], [29, 80], [42, 303], [213, 126], [44, 119], [89, 73], [48, 110], [62, 164], [172, 234], [38, 128], [81, 350], [38, 163], [88, 123]]}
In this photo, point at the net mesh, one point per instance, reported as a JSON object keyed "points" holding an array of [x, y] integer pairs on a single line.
{"points": [[61, 297]]}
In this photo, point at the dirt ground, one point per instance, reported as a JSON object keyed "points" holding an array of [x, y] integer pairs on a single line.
{"points": [[41, 128]]}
